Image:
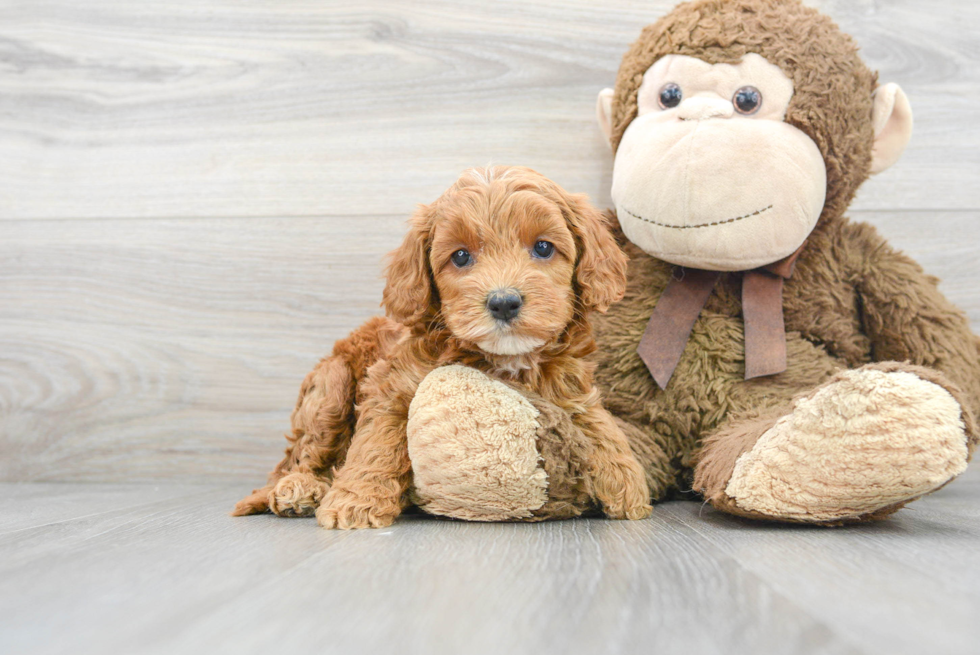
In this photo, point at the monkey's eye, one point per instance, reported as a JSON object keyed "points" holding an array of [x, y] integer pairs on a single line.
{"points": [[670, 96], [543, 249], [747, 100], [461, 258]]}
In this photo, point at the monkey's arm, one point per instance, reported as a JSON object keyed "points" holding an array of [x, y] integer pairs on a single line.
{"points": [[909, 319]]}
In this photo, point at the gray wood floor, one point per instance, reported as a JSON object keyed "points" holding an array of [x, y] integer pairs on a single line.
{"points": [[196, 198], [116, 568]]}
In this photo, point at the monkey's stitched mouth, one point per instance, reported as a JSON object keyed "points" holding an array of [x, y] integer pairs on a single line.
{"points": [[689, 227]]}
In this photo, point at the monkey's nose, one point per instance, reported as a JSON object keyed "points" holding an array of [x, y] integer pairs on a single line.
{"points": [[699, 109], [504, 305]]}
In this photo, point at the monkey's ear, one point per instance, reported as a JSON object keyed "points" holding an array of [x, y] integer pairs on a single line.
{"points": [[601, 267], [892, 119], [408, 294], [603, 112]]}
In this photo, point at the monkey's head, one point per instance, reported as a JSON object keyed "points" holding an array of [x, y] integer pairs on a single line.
{"points": [[737, 125]]}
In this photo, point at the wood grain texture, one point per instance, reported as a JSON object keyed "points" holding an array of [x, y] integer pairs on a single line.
{"points": [[922, 560], [154, 349], [176, 574], [32, 504], [183, 108]]}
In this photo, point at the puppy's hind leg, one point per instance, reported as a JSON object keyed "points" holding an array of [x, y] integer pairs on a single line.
{"points": [[322, 426], [322, 423]]}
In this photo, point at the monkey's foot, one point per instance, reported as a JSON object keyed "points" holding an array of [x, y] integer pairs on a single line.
{"points": [[859, 447], [473, 445]]}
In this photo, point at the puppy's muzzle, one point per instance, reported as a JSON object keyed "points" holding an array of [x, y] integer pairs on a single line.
{"points": [[504, 305]]}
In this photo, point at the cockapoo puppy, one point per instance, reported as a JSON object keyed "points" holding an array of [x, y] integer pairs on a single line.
{"points": [[498, 274]]}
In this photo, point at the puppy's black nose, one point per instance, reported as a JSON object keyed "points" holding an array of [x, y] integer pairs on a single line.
{"points": [[504, 305]]}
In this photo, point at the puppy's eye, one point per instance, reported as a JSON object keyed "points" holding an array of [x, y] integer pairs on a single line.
{"points": [[543, 249], [461, 258], [670, 96], [747, 100]]}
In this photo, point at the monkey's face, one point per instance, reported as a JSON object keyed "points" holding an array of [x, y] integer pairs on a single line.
{"points": [[708, 174]]}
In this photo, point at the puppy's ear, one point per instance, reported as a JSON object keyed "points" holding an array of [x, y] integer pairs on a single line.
{"points": [[408, 294], [601, 267]]}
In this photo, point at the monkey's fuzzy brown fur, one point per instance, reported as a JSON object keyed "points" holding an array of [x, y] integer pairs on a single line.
{"points": [[852, 300], [348, 456]]}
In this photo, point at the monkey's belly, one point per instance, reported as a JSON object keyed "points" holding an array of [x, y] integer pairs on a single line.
{"points": [[472, 443], [707, 388]]}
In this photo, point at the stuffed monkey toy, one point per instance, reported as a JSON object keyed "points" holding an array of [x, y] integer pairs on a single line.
{"points": [[773, 356]]}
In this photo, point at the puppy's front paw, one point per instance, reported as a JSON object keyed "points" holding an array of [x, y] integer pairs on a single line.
{"points": [[626, 495], [346, 511], [297, 494]]}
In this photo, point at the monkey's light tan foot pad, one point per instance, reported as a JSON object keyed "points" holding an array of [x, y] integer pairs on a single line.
{"points": [[867, 441], [473, 445]]}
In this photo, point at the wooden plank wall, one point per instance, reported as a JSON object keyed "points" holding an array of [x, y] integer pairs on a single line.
{"points": [[196, 195]]}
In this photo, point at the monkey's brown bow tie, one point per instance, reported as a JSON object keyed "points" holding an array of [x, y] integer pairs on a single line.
{"points": [[685, 296]]}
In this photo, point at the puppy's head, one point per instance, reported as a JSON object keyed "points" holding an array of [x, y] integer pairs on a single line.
{"points": [[507, 259]]}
